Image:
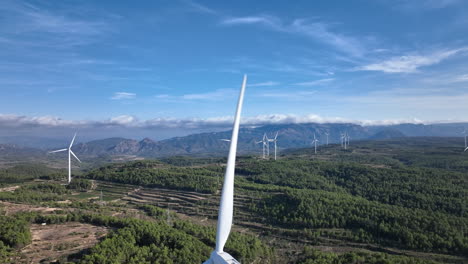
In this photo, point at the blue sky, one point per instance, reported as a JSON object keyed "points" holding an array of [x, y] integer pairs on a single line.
{"points": [[151, 63]]}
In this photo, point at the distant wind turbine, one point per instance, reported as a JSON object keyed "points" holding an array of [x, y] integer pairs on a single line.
{"points": [[342, 135], [326, 133], [226, 207], [70, 152], [315, 143], [274, 140], [265, 146], [464, 132], [347, 139]]}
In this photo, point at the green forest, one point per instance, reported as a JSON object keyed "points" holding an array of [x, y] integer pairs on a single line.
{"points": [[380, 208]]}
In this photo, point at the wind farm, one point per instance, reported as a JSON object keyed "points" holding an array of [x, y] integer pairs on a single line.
{"points": [[129, 133]]}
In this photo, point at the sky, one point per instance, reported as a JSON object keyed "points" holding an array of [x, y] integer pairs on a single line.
{"points": [[173, 67]]}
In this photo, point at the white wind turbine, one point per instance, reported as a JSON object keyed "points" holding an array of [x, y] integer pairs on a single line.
{"points": [[274, 140], [326, 133], [70, 152], [265, 146], [226, 206], [347, 140], [342, 135], [464, 132], [315, 143]]}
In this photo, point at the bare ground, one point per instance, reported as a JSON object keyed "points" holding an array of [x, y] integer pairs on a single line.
{"points": [[13, 208], [52, 242]]}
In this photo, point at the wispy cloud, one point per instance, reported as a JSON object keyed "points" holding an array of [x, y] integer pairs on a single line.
{"points": [[411, 63], [219, 94], [215, 95], [315, 82], [123, 96], [201, 8], [296, 95], [26, 19], [318, 31], [418, 5], [269, 83], [461, 78], [269, 21]]}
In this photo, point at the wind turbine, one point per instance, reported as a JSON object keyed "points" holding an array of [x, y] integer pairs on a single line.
{"points": [[226, 206], [342, 139], [464, 132], [70, 152], [274, 140], [265, 146], [315, 143], [326, 133], [347, 140]]}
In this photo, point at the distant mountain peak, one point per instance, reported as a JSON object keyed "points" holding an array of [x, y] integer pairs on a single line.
{"points": [[147, 141]]}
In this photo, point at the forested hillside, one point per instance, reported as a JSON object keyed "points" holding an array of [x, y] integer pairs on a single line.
{"points": [[389, 201]]}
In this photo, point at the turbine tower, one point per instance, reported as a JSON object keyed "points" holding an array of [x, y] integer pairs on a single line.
{"points": [[464, 132], [315, 144], [274, 140], [326, 133], [347, 140], [342, 135], [226, 206], [70, 152]]}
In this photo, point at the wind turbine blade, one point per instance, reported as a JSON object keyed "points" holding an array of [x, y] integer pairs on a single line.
{"points": [[465, 149], [227, 140], [276, 136], [73, 140], [60, 150], [227, 196], [75, 156]]}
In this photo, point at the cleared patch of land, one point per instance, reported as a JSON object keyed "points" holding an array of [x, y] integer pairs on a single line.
{"points": [[53, 242]]}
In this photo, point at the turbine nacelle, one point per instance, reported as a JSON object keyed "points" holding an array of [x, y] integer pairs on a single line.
{"points": [[221, 258]]}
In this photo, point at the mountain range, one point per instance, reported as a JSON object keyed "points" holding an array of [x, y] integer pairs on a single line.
{"points": [[289, 136]]}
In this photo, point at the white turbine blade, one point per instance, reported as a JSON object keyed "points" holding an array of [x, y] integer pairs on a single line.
{"points": [[75, 156], [465, 149], [73, 140], [60, 150], [227, 196], [227, 140], [276, 136]]}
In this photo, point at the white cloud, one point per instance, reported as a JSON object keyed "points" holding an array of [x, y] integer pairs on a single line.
{"points": [[223, 122], [411, 63], [201, 8], [123, 120], [215, 95], [123, 96], [418, 5], [269, 83], [315, 82], [296, 95], [318, 31], [461, 78]]}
